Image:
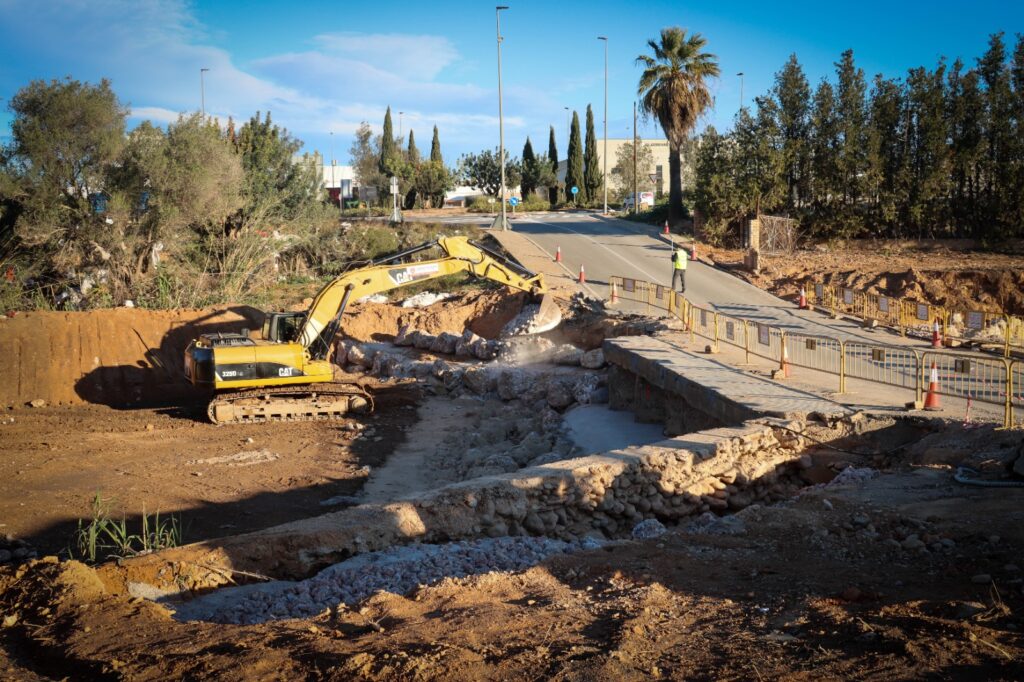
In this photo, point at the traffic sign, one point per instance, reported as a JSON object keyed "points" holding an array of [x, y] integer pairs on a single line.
{"points": [[513, 201], [574, 190]]}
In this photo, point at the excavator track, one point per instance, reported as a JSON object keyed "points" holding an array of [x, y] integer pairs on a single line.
{"points": [[315, 402]]}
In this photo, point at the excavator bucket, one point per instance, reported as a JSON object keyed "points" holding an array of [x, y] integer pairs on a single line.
{"points": [[546, 317]]}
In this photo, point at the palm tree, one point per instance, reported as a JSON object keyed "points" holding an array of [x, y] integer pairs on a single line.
{"points": [[674, 89]]}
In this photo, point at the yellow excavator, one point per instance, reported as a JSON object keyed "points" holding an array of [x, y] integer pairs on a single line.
{"points": [[286, 375]]}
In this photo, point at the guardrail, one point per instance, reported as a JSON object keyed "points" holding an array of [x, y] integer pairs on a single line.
{"points": [[906, 315], [997, 381]]}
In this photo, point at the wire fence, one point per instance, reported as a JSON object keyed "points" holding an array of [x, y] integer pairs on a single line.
{"points": [[997, 381]]}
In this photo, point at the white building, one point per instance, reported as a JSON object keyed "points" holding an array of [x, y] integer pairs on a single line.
{"points": [[338, 180], [659, 166]]}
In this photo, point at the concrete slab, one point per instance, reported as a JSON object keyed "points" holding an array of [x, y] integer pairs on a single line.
{"points": [[721, 391]]}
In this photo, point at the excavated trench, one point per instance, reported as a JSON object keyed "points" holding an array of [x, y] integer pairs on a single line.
{"points": [[516, 489]]}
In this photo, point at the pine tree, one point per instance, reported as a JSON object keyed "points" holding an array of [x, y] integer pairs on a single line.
{"points": [[574, 165], [388, 150], [412, 154], [759, 158], [435, 148], [531, 171], [553, 160], [851, 154], [591, 170], [792, 96]]}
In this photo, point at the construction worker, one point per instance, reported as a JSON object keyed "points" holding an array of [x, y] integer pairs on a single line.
{"points": [[679, 257]]}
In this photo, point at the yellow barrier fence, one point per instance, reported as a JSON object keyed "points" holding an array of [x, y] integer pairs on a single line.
{"points": [[906, 315], [979, 379]]}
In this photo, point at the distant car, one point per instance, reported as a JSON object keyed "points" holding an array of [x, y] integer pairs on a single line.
{"points": [[646, 200]]}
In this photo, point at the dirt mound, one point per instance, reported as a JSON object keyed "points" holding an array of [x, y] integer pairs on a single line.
{"points": [[485, 313], [116, 357]]}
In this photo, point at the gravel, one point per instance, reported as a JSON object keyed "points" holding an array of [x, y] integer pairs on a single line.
{"points": [[397, 570]]}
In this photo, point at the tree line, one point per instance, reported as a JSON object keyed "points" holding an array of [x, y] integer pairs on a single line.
{"points": [[188, 215], [938, 153]]}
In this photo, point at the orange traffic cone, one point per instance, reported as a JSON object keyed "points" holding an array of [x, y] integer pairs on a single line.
{"points": [[931, 401], [666, 228], [583, 276], [558, 254], [936, 336], [784, 366], [615, 294], [693, 250], [803, 299]]}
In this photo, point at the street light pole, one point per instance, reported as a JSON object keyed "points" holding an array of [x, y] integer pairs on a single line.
{"points": [[501, 122], [332, 170], [636, 199], [740, 74], [202, 90], [400, 124], [605, 154]]}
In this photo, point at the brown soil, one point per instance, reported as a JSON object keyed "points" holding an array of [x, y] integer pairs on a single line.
{"points": [[217, 480], [951, 274], [800, 595], [131, 358]]}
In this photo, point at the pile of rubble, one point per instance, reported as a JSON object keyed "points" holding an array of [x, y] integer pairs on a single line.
{"points": [[397, 570]]}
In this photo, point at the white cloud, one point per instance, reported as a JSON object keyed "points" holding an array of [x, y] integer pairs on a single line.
{"points": [[152, 50]]}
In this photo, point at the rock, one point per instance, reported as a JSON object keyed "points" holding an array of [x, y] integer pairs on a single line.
{"points": [[599, 396], [445, 343], [479, 380], [358, 355], [20, 553], [38, 402], [559, 394], [1011, 568], [969, 609], [981, 579], [424, 341], [5, 556], [513, 383], [402, 339], [566, 355], [649, 528], [912, 542], [341, 354], [585, 387], [483, 349], [593, 359], [861, 520], [546, 458]]}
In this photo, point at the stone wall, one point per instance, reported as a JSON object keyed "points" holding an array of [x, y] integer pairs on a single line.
{"points": [[607, 495]]}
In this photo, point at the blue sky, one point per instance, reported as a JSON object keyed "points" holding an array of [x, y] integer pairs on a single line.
{"points": [[325, 66]]}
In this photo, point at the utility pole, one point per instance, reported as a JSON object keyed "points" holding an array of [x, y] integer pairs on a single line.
{"points": [[636, 199], [605, 154], [400, 124], [202, 91], [341, 201], [502, 218], [740, 74]]}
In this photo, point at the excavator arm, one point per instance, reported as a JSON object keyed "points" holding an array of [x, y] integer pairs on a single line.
{"points": [[391, 272]]}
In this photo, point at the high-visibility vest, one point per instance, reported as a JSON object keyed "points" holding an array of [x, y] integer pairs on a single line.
{"points": [[680, 262]]}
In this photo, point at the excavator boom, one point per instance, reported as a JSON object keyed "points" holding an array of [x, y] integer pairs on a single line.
{"points": [[267, 378]]}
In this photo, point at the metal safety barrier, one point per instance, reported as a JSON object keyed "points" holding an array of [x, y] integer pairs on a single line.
{"points": [[918, 317], [996, 381]]}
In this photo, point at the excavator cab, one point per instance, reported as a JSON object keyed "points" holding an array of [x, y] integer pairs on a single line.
{"points": [[282, 327]]}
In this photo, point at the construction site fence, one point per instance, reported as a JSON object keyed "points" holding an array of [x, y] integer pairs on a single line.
{"points": [[914, 317], [993, 380]]}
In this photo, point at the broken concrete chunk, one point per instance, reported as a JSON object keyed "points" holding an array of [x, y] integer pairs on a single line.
{"points": [[445, 343], [38, 402], [593, 359], [424, 341]]}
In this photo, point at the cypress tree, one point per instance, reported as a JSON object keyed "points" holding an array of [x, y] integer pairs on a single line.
{"points": [[574, 166], [792, 96], [928, 150], [592, 171], [528, 184], [388, 151], [886, 140], [965, 112], [851, 153], [824, 141], [1017, 77], [998, 163], [412, 154], [435, 148], [553, 160]]}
